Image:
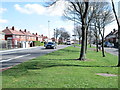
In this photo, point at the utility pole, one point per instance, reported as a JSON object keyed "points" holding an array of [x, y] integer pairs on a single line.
{"points": [[54, 35], [48, 29]]}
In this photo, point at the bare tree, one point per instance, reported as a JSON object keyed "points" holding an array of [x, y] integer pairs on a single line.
{"points": [[78, 11], [57, 32], [65, 35], [61, 33], [118, 32], [78, 32], [103, 18]]}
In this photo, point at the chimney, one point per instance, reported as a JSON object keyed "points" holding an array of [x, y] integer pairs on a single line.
{"points": [[114, 30], [25, 30], [36, 33], [6, 27], [13, 28], [20, 30]]}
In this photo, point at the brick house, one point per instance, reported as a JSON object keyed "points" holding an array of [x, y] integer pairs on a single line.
{"points": [[3, 42], [112, 37], [38, 37], [21, 38], [13, 37], [28, 38]]}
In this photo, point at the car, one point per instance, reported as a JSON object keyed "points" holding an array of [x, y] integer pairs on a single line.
{"points": [[50, 45], [68, 43], [108, 44]]}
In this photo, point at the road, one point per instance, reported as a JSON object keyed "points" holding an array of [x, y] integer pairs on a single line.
{"points": [[11, 58], [113, 51]]}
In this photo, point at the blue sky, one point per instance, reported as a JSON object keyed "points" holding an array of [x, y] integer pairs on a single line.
{"points": [[23, 15], [34, 17]]}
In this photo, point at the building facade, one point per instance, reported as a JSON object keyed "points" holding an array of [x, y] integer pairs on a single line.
{"points": [[20, 38]]}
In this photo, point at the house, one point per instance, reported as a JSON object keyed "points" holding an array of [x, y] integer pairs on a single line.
{"points": [[38, 37], [44, 38], [112, 37], [3, 43], [28, 39], [12, 36], [21, 38]]}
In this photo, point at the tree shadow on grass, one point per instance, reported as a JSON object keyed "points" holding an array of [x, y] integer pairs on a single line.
{"points": [[68, 50], [48, 65], [23, 68]]}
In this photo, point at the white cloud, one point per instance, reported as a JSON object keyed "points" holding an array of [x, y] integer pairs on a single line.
{"points": [[30, 8], [2, 10], [55, 10], [3, 21]]}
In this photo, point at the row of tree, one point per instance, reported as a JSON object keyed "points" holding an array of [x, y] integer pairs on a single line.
{"points": [[61, 34], [90, 17]]}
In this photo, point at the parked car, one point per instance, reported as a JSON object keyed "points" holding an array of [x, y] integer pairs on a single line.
{"points": [[50, 45], [68, 43], [108, 44]]}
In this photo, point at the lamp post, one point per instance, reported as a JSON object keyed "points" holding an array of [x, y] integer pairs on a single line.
{"points": [[54, 35], [48, 29]]}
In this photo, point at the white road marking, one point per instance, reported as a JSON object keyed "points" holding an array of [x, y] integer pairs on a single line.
{"points": [[15, 58]]}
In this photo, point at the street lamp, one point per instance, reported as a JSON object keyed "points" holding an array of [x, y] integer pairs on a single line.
{"points": [[48, 29]]}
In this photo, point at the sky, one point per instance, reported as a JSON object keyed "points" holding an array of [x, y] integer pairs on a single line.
{"points": [[34, 17]]}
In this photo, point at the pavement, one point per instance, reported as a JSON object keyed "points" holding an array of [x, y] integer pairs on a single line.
{"points": [[10, 58], [113, 51]]}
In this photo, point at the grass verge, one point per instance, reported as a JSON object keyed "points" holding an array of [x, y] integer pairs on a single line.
{"points": [[59, 69]]}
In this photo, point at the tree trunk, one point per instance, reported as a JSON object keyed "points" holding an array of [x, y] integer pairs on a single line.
{"points": [[79, 40], [118, 33], [118, 46], [90, 35], [96, 38], [83, 44], [97, 44], [103, 52], [86, 41], [84, 28]]}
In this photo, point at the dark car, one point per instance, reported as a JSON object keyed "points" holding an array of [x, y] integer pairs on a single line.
{"points": [[50, 45]]}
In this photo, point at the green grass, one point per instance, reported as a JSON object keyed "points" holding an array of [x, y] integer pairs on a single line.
{"points": [[38, 43], [59, 69]]}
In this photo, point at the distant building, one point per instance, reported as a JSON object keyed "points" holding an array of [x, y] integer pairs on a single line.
{"points": [[13, 37], [3, 43], [21, 38], [112, 37]]}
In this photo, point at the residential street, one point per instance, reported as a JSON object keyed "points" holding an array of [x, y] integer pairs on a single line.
{"points": [[17, 56], [113, 51]]}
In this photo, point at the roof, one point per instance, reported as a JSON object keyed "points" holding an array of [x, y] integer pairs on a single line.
{"points": [[10, 31], [36, 35], [112, 33]]}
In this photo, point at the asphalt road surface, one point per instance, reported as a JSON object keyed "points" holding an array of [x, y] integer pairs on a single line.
{"points": [[113, 51], [11, 58]]}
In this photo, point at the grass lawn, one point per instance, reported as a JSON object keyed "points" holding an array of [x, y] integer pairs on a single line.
{"points": [[59, 69]]}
